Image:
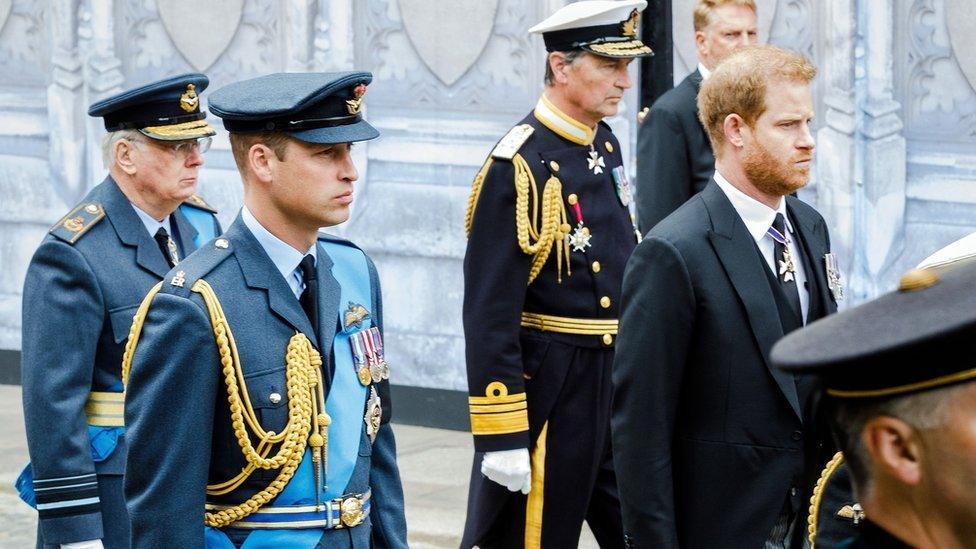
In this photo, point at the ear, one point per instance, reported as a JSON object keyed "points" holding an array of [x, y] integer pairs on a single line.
{"points": [[895, 448], [735, 128], [123, 150], [262, 161], [700, 43], [559, 65]]}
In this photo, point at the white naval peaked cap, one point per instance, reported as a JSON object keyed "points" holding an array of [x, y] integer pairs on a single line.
{"points": [[604, 27]]}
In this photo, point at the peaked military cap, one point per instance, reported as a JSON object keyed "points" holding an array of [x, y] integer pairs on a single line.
{"points": [[312, 107], [168, 110], [604, 27], [920, 337]]}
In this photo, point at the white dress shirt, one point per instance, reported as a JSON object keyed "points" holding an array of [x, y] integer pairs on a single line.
{"points": [[151, 224], [704, 72], [284, 257], [758, 218]]}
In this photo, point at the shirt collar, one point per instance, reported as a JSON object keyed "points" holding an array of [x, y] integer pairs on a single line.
{"points": [[151, 224], [704, 72], [284, 257], [562, 124], [757, 216]]}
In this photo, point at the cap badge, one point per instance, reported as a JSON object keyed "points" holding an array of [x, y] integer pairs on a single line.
{"points": [[629, 27], [189, 101], [356, 102], [74, 224]]}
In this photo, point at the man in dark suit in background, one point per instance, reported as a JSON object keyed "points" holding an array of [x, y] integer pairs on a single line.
{"points": [[674, 157], [714, 448]]}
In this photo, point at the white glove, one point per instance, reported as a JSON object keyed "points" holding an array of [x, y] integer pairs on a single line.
{"points": [[510, 468], [90, 544]]}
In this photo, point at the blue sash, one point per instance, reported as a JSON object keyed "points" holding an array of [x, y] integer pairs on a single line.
{"points": [[345, 403], [202, 221]]}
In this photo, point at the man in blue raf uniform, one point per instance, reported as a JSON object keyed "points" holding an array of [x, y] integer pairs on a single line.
{"points": [[258, 392], [542, 294], [898, 379], [84, 284]]}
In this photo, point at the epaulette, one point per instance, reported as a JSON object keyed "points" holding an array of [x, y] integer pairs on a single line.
{"points": [[78, 221], [180, 280], [512, 142], [197, 202]]}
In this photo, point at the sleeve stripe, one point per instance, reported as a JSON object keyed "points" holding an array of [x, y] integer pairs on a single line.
{"points": [[70, 503], [93, 483], [63, 480]]}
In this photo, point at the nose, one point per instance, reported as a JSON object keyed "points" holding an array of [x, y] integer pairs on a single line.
{"points": [[745, 39], [348, 169], [623, 78], [806, 140], [195, 158]]}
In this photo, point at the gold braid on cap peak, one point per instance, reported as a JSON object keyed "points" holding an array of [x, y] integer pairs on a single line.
{"points": [[307, 419]]}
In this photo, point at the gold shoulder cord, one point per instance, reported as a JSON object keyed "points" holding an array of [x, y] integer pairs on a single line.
{"points": [[818, 493], [306, 409], [534, 239]]}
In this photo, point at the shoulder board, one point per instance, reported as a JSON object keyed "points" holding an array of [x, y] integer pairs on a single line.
{"points": [[78, 221], [180, 280], [199, 203], [512, 142]]}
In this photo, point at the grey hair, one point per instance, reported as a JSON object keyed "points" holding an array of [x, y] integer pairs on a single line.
{"points": [[108, 145], [926, 410], [571, 56]]}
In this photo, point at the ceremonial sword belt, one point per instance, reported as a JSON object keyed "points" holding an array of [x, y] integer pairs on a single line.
{"points": [[567, 325], [105, 409], [343, 512]]}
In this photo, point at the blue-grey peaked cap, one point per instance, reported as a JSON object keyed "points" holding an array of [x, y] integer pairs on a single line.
{"points": [[312, 107]]}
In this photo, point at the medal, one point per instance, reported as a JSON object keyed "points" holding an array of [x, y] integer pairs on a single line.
{"points": [[374, 414], [624, 191], [833, 277], [375, 370], [359, 359], [595, 161], [377, 339], [579, 239], [787, 267]]}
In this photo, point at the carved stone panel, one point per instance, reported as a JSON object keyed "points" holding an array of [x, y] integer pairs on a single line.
{"points": [[204, 36], [448, 37]]}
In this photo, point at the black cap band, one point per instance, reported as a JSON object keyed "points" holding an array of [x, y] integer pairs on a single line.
{"points": [[286, 125]]}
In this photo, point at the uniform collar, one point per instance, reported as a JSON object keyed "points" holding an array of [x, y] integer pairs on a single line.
{"points": [[151, 224], [562, 124], [757, 216], [284, 257]]}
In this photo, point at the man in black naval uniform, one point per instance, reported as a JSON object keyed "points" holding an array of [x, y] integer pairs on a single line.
{"points": [[674, 157], [549, 232], [713, 447], [83, 285], [898, 379], [259, 391]]}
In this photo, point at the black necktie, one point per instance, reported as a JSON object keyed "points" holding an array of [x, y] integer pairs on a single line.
{"points": [[781, 260], [310, 297], [167, 246]]}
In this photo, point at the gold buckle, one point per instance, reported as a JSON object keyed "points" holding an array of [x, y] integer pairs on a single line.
{"points": [[351, 510]]}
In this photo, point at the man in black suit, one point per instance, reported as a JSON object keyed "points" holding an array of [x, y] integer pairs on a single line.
{"points": [[674, 157], [714, 448]]}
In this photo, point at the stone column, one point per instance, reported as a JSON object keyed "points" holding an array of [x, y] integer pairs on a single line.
{"points": [[66, 108], [104, 75], [879, 228]]}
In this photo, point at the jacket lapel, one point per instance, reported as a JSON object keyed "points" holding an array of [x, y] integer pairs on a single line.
{"points": [[130, 229], [187, 232], [815, 246], [736, 250], [260, 272]]}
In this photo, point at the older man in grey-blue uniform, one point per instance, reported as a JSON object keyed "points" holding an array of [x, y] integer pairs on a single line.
{"points": [[257, 389], [84, 284]]}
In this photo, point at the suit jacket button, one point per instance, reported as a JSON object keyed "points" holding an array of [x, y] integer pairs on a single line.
{"points": [[793, 491], [797, 435]]}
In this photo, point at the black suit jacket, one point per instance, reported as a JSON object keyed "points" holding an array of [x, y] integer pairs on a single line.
{"points": [[674, 156], [710, 441]]}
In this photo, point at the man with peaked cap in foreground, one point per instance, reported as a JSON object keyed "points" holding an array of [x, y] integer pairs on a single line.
{"points": [[898, 375], [542, 294], [83, 285], [258, 392]]}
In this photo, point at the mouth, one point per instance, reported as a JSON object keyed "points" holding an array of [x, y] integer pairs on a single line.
{"points": [[803, 163], [344, 198]]}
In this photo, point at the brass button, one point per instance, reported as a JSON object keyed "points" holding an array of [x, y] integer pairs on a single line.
{"points": [[596, 266], [572, 199], [605, 302], [553, 165], [92, 209], [607, 339], [221, 243], [609, 146]]}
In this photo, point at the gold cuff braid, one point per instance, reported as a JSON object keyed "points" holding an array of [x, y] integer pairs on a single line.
{"points": [[306, 408]]}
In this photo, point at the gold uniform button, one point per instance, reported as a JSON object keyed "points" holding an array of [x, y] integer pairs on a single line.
{"points": [[553, 165], [572, 199], [607, 339], [605, 302], [596, 266], [609, 146]]}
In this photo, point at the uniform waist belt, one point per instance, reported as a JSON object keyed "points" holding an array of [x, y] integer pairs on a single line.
{"points": [[566, 325], [343, 512], [105, 409]]}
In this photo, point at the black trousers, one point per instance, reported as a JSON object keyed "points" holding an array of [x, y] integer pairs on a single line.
{"points": [[568, 392]]}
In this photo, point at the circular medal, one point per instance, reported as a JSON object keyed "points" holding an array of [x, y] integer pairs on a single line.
{"points": [[376, 371], [365, 378]]}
